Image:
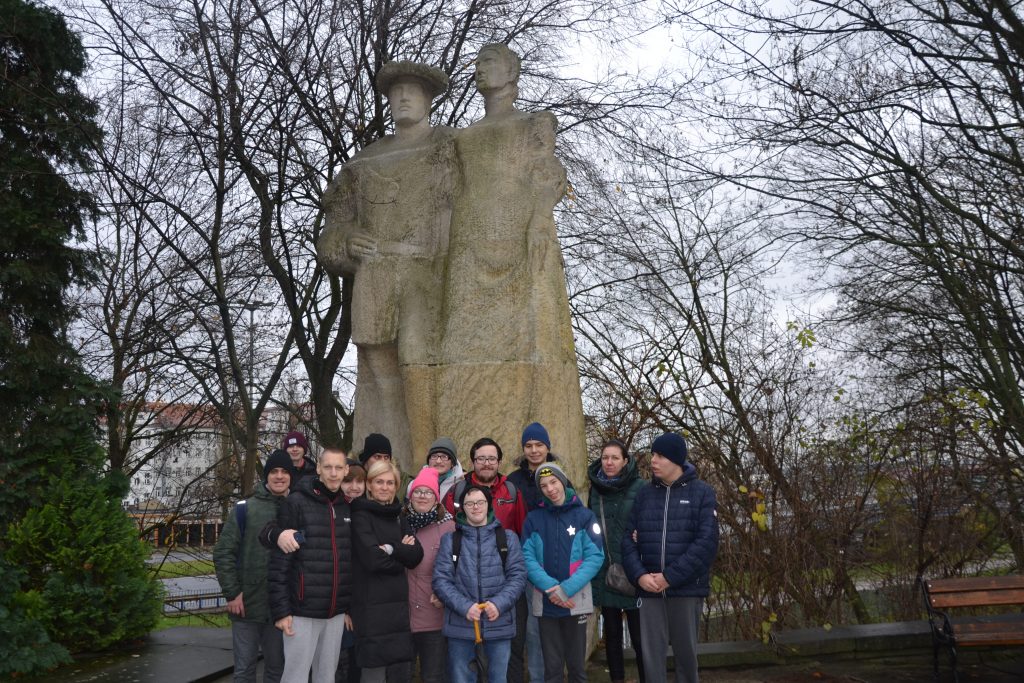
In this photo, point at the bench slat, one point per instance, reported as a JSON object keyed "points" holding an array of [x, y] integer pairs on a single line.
{"points": [[979, 583], [990, 633], [980, 598]]}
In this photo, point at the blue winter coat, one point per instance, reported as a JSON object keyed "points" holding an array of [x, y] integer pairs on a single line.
{"points": [[562, 546], [677, 535], [480, 579]]}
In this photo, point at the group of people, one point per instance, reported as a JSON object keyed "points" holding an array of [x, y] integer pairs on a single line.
{"points": [[346, 569]]}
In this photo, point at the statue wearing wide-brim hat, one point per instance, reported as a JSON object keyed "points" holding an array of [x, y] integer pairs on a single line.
{"points": [[433, 79]]}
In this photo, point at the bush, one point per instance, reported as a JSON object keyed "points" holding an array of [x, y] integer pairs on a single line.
{"points": [[25, 647], [85, 565]]}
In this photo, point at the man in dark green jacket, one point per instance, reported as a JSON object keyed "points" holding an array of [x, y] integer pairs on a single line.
{"points": [[241, 564]]}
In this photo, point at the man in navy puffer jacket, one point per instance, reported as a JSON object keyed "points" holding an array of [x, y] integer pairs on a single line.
{"points": [[675, 521]]}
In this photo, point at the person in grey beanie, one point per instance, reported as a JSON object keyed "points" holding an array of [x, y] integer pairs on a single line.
{"points": [[668, 548], [443, 457]]}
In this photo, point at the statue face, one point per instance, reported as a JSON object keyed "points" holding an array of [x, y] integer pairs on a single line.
{"points": [[492, 71], [409, 102]]}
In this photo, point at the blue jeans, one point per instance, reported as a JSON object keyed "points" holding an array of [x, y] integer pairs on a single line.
{"points": [[534, 651], [461, 653], [247, 639]]}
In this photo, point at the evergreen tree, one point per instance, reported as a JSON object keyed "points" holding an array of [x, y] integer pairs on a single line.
{"points": [[46, 127], [67, 550]]}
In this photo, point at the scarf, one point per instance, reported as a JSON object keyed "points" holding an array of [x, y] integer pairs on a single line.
{"points": [[418, 520]]}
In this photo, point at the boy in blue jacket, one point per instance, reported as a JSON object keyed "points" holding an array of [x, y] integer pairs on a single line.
{"points": [[675, 525], [563, 551]]}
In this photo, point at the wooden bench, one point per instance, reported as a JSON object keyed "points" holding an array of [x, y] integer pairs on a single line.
{"points": [[941, 595]]}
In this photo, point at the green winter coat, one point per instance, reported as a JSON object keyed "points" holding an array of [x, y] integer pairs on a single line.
{"points": [[248, 577], [618, 502]]}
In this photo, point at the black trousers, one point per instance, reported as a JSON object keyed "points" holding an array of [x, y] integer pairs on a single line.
{"points": [[613, 640], [516, 668], [564, 641]]}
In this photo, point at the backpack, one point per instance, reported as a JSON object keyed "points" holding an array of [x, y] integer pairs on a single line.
{"points": [[500, 539]]}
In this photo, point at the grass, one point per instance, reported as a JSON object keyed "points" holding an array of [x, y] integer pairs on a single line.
{"points": [[176, 570]]}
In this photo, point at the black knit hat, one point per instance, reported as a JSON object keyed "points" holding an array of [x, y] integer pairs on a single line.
{"points": [[476, 487], [671, 446], [277, 459], [373, 444]]}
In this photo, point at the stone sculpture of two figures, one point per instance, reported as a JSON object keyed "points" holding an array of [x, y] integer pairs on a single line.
{"points": [[459, 310]]}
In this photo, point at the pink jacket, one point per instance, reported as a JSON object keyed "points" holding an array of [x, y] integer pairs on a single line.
{"points": [[422, 615]]}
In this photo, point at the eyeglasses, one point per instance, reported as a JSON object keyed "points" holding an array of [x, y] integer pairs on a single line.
{"points": [[490, 460], [474, 503], [437, 456], [423, 493]]}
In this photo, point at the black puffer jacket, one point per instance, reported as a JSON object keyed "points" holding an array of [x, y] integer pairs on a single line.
{"points": [[380, 611], [316, 580]]}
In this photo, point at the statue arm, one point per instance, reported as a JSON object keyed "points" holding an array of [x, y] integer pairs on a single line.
{"points": [[340, 226]]}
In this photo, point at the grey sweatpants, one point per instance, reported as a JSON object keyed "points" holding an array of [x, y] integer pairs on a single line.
{"points": [[316, 643], [670, 620]]}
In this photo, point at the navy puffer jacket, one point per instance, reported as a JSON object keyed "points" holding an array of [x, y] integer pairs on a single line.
{"points": [[677, 535], [480, 579], [316, 580]]}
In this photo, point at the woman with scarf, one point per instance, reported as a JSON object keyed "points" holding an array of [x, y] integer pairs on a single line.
{"points": [[614, 483], [384, 548], [429, 521]]}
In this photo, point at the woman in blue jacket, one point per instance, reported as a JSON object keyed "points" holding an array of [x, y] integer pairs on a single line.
{"points": [[562, 548], [480, 585]]}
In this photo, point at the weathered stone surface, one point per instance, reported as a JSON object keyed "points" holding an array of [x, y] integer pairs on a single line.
{"points": [[460, 315]]}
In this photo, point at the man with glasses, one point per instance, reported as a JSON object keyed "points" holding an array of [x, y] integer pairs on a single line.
{"points": [[507, 504], [442, 457]]}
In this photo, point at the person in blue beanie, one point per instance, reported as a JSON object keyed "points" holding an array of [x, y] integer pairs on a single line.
{"points": [[668, 548]]}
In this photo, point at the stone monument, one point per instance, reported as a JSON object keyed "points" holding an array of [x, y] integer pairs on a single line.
{"points": [[507, 353], [460, 312], [387, 218]]}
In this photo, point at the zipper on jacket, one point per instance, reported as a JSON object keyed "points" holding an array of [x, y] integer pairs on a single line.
{"points": [[334, 557], [664, 530], [302, 586]]}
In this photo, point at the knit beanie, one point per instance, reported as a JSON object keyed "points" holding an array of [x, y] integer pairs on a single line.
{"points": [[550, 469], [373, 444], [671, 446], [295, 439], [278, 458], [443, 445], [535, 432], [476, 487], [427, 477]]}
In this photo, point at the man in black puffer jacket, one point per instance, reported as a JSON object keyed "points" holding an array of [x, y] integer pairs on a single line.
{"points": [[310, 590]]}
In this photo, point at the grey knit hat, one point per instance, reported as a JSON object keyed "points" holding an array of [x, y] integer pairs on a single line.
{"points": [[443, 445]]}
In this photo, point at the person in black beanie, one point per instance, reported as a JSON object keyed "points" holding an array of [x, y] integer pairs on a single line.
{"points": [[242, 565], [668, 548]]}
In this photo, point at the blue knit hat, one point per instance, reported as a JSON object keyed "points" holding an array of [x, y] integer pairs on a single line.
{"points": [[671, 446], [535, 432]]}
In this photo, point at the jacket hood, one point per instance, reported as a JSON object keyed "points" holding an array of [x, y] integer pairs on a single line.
{"points": [[523, 464], [391, 509], [628, 476], [492, 521], [689, 474], [315, 489], [571, 501]]}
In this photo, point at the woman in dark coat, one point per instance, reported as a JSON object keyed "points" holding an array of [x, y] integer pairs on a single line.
{"points": [[384, 548], [614, 482]]}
